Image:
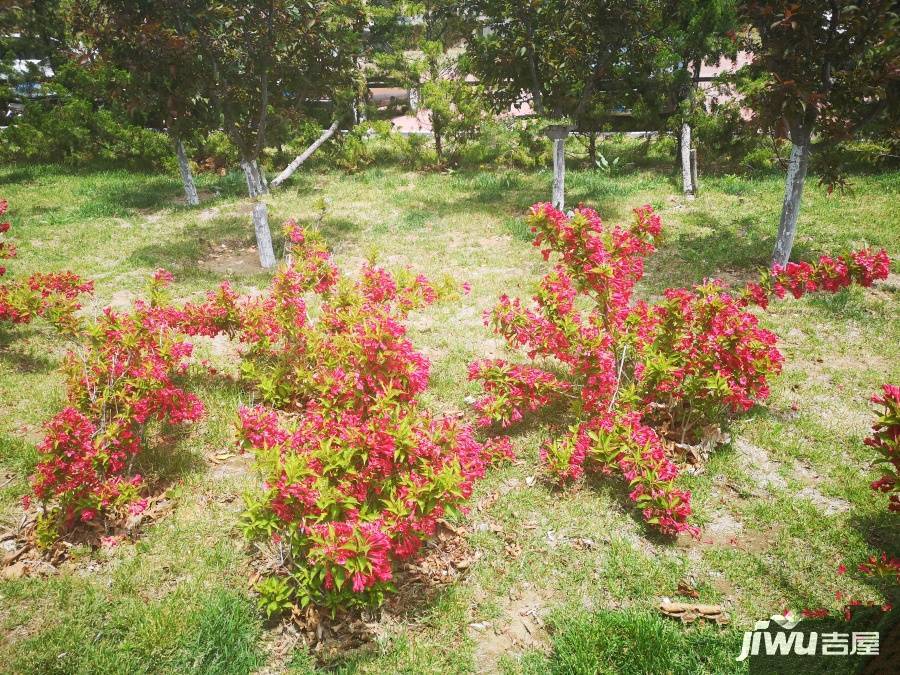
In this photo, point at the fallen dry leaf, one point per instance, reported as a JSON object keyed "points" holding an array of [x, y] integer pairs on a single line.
{"points": [[687, 590]]}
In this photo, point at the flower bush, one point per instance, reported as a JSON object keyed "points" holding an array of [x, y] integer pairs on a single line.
{"points": [[357, 474], [885, 438], [634, 377], [120, 378], [50, 295]]}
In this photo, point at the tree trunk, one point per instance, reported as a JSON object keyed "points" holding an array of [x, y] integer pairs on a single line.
{"points": [[687, 184], [252, 186], [256, 183], [438, 141], [259, 173], [695, 182], [793, 193], [592, 148], [187, 178], [559, 172], [263, 235], [293, 166]]}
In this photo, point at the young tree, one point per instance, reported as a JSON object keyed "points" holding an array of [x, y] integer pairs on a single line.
{"points": [[822, 71], [693, 32], [273, 55], [155, 42], [557, 55], [418, 44]]}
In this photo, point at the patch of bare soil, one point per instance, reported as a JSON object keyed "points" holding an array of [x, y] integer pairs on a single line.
{"points": [[443, 560], [756, 462], [121, 301], [226, 465], [520, 628], [726, 531], [765, 472], [231, 258]]}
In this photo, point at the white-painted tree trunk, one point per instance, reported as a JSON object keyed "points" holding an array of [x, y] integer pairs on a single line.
{"points": [[263, 235], [559, 172], [293, 166], [687, 182], [187, 178], [252, 187], [261, 182], [256, 182], [414, 98], [793, 194]]}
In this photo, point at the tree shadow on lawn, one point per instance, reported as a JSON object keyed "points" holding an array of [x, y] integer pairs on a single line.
{"points": [[879, 530], [125, 194], [201, 251], [18, 359], [733, 251]]}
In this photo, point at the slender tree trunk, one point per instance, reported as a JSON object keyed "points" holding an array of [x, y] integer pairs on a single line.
{"points": [[559, 172], [260, 174], [592, 148], [255, 188], [438, 141], [256, 182], [293, 166], [687, 183], [187, 178], [793, 193], [252, 186], [263, 235]]}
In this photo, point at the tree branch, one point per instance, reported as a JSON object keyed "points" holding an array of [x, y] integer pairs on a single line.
{"points": [[294, 165]]}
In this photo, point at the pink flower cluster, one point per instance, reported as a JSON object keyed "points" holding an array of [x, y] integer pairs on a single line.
{"points": [[357, 474], [50, 295], [830, 274], [512, 390], [122, 377], [876, 567], [885, 438], [630, 367]]}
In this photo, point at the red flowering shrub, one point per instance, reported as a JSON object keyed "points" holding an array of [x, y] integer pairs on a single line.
{"points": [[637, 374], [356, 473], [120, 378], [885, 438], [51, 295]]}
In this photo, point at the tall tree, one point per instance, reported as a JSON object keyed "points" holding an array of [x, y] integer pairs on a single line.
{"points": [[557, 55], [822, 71], [34, 41], [274, 55], [693, 32], [418, 45], [154, 41]]}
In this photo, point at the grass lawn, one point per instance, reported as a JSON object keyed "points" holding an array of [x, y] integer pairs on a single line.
{"points": [[566, 581]]}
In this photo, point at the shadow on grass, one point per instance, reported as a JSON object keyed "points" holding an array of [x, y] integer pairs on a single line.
{"points": [[19, 360], [168, 457], [18, 456]]}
